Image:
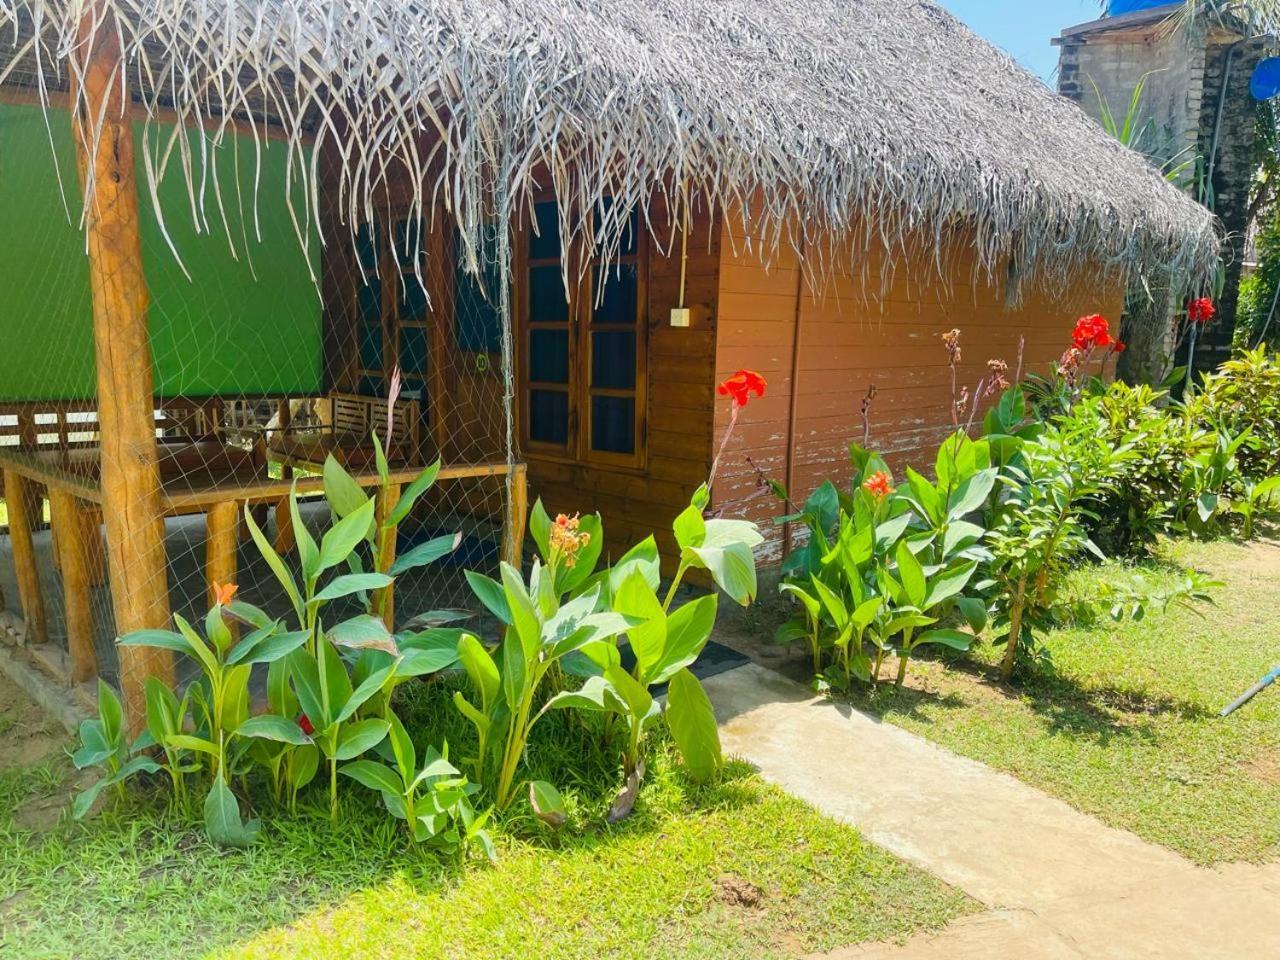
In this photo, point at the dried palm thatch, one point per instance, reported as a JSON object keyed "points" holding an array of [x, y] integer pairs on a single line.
{"points": [[830, 122]]}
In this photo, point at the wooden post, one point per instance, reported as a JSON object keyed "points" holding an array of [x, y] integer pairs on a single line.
{"points": [[388, 497], [17, 495], [130, 472], [286, 538], [68, 531], [513, 534], [220, 563]]}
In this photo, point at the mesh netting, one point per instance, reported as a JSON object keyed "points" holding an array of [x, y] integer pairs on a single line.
{"points": [[270, 352]]}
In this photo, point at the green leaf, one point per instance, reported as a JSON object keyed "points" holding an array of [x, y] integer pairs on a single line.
{"points": [[184, 741], [349, 583], [303, 764], [643, 557], [308, 553], [162, 709], [345, 496], [222, 818], [429, 651], [1206, 506], [648, 637], [110, 713], [267, 648], [955, 639], [596, 695], [911, 574], [421, 484], [524, 615], [690, 528], [949, 583], [570, 579], [489, 592], [374, 775], [357, 738], [514, 668], [693, 727], [548, 805], [402, 747], [364, 632], [84, 800], [371, 685], [833, 603], [807, 600], [972, 494], [306, 683], [341, 539], [276, 563], [480, 668], [688, 630], [635, 695], [425, 553], [540, 527], [94, 748], [974, 611], [732, 567], [270, 727]]}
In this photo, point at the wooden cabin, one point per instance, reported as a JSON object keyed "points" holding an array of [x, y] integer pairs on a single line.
{"points": [[562, 224]]}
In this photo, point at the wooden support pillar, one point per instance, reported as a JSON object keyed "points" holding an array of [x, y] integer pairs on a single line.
{"points": [[130, 472], [68, 533], [387, 498], [17, 496], [517, 516], [220, 564], [286, 538]]}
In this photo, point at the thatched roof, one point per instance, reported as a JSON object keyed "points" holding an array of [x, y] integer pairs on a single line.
{"points": [[888, 114]]}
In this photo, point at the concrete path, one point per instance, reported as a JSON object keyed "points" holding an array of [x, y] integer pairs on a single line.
{"points": [[1060, 884]]}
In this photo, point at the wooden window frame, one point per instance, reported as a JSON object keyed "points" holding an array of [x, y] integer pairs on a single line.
{"points": [[581, 324]]}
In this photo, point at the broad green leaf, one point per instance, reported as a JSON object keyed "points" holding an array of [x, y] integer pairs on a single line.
{"points": [[524, 615], [342, 538], [865, 613], [347, 584], [688, 630], [635, 695], [270, 727], [911, 574], [569, 579], [648, 637], [540, 527], [693, 727], [548, 805], [955, 639], [515, 668], [732, 567], [690, 528], [235, 695], [374, 775], [276, 563], [162, 709], [833, 603], [949, 583], [84, 800], [345, 496], [94, 748], [402, 747], [596, 694], [360, 737], [371, 685], [807, 600], [306, 683], [428, 651], [308, 552], [256, 617], [268, 648], [1206, 506], [974, 611], [925, 496], [489, 592], [222, 818], [972, 494], [643, 557], [480, 668], [185, 741], [421, 484], [110, 712], [425, 553], [468, 710], [303, 764], [364, 632]]}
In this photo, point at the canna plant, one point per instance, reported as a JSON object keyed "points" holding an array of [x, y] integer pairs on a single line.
{"points": [[103, 744], [1255, 497], [433, 801]]}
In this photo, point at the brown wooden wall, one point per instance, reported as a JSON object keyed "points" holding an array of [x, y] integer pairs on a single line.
{"points": [[849, 341], [677, 429]]}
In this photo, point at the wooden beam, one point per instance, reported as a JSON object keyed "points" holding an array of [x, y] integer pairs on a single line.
{"points": [[517, 515], [17, 496], [73, 557], [221, 564], [103, 131]]}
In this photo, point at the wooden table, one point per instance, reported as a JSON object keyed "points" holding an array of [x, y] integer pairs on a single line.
{"points": [[220, 491]]}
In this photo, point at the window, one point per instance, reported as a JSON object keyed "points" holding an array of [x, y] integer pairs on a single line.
{"points": [[583, 357]]}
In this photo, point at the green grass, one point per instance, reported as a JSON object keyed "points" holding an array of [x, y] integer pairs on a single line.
{"points": [[1124, 723], [142, 882]]}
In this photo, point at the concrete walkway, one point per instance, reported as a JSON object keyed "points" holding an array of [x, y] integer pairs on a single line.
{"points": [[1060, 884]]}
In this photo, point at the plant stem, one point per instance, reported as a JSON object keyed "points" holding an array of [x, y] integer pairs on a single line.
{"points": [[1015, 632], [675, 585], [904, 657], [333, 789]]}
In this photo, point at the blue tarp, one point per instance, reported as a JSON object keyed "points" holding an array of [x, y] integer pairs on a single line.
{"points": [[1118, 7]]}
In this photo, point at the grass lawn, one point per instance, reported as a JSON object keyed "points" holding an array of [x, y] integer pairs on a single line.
{"points": [[1124, 724], [738, 870]]}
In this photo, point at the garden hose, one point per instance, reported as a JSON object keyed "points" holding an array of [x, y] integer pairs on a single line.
{"points": [[1252, 692]]}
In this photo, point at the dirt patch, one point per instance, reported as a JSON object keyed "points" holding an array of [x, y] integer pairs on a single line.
{"points": [[1265, 768], [30, 741], [736, 892]]}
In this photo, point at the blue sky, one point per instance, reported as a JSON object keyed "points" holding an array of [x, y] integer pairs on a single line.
{"points": [[1023, 28]]}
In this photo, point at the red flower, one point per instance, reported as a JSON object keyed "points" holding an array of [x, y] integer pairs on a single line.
{"points": [[223, 593], [1119, 347], [1202, 310], [305, 723], [1092, 332], [741, 385], [878, 485]]}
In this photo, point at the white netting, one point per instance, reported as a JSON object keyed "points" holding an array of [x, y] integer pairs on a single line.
{"points": [[268, 355]]}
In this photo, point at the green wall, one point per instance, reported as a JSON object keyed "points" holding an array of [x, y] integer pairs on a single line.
{"points": [[251, 325]]}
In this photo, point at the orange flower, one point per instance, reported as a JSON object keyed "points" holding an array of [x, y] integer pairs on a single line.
{"points": [[879, 485], [741, 385], [223, 593], [566, 540]]}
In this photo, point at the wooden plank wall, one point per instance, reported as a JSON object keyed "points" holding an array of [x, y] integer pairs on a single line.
{"points": [[846, 344], [681, 385]]}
